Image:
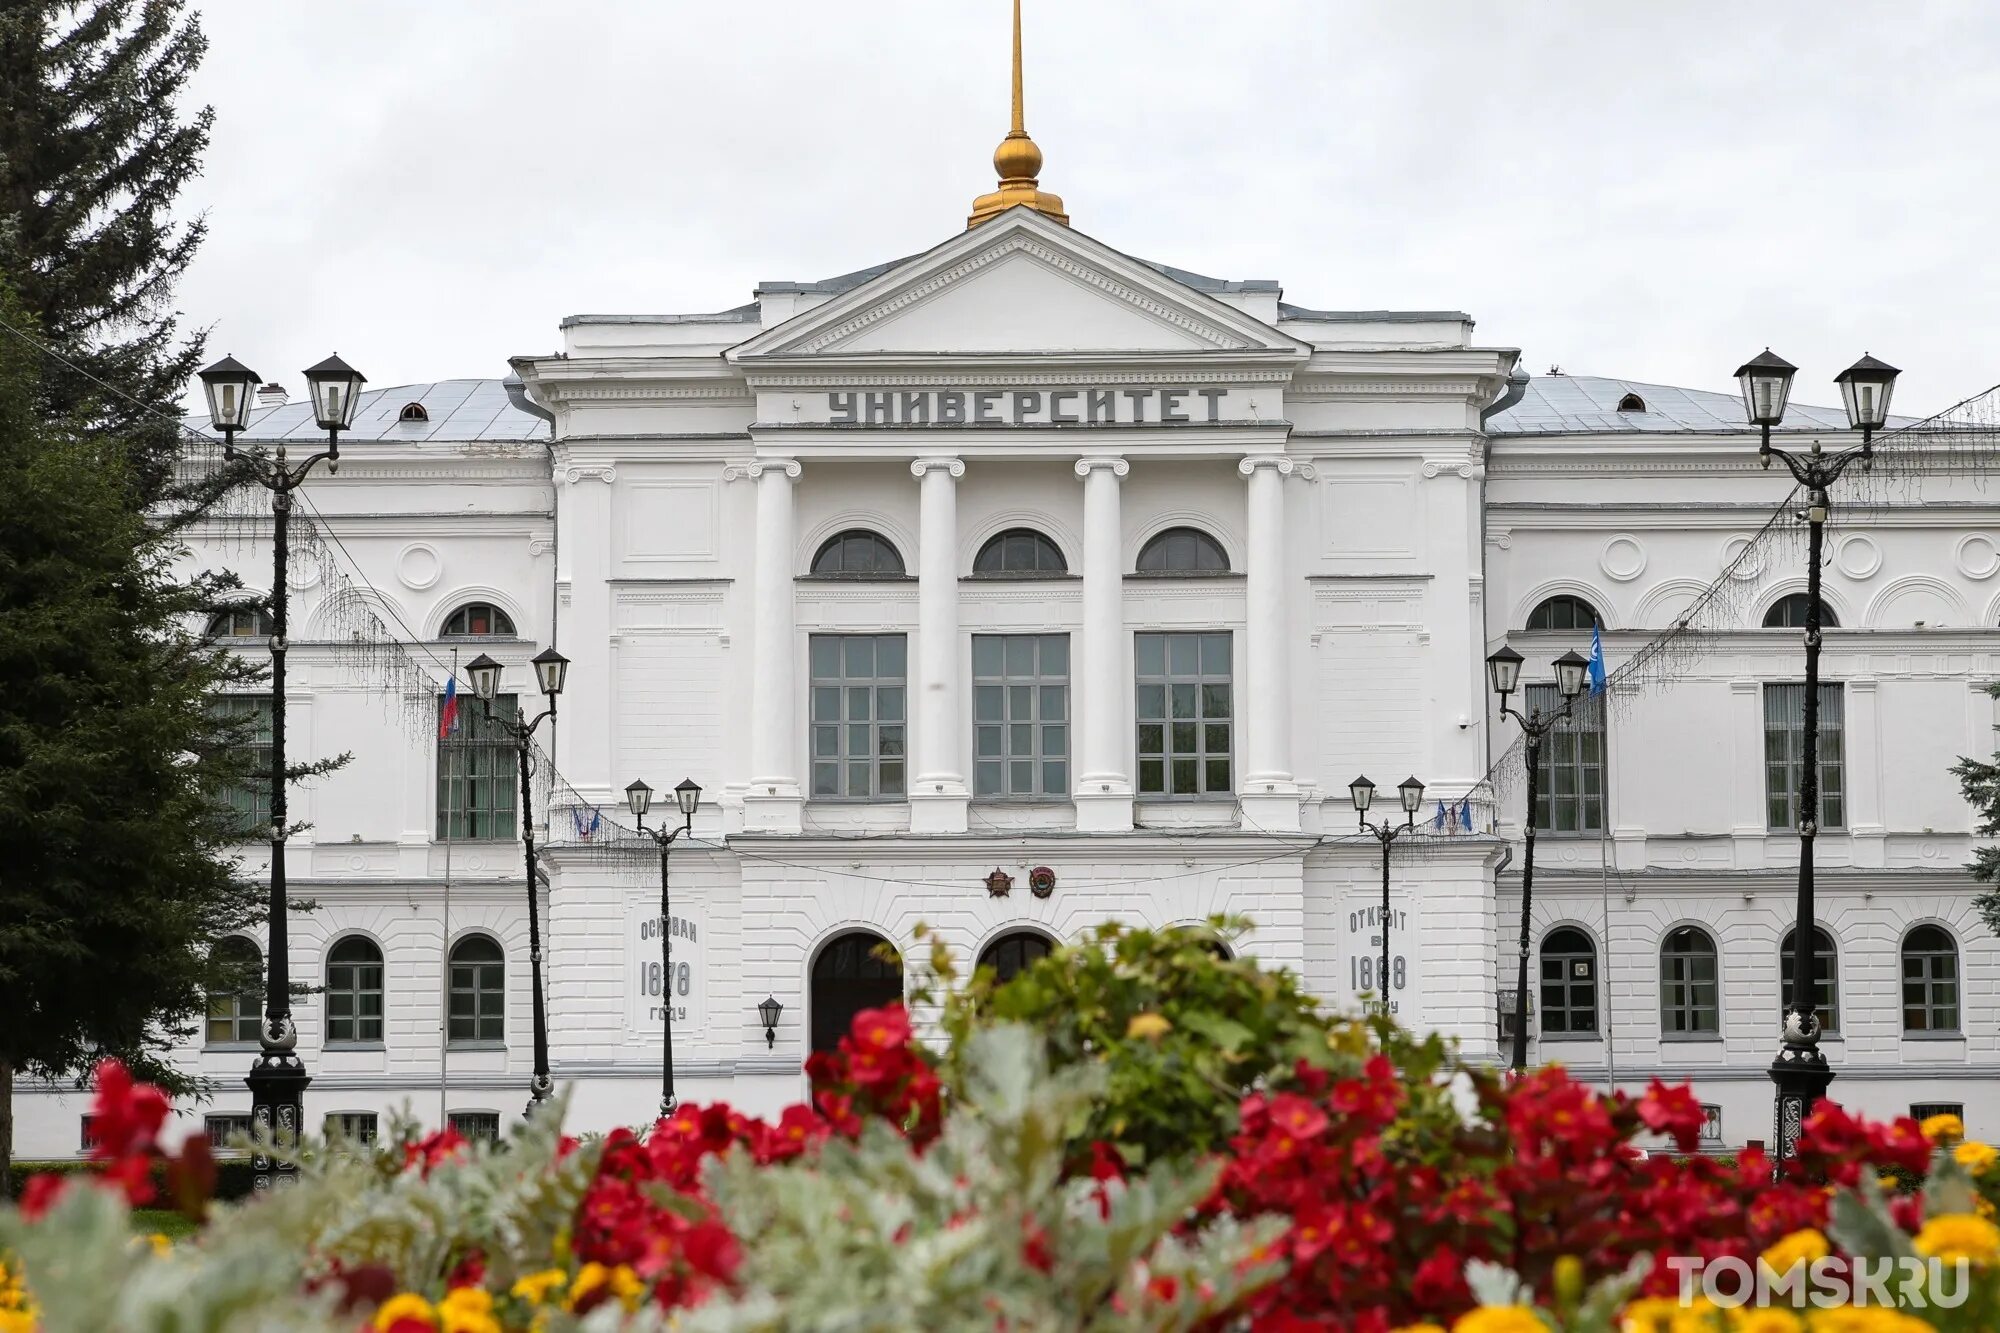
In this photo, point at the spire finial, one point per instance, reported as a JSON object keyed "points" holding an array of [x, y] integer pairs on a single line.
{"points": [[1018, 162]]}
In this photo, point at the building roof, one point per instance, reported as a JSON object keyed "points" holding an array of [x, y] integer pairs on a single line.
{"points": [[457, 410], [1588, 405]]}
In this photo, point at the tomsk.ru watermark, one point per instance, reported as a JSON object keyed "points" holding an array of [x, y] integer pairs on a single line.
{"points": [[1907, 1283]]}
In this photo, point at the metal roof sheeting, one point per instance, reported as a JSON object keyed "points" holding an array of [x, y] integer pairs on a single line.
{"points": [[459, 411], [1588, 405]]}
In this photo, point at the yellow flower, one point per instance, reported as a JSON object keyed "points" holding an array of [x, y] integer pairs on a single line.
{"points": [[17, 1321], [1419, 1328], [1149, 1027], [1749, 1319], [1664, 1314], [622, 1281], [1797, 1248], [1959, 1236], [1866, 1319], [1943, 1128], [1500, 1319], [468, 1310], [405, 1305], [1975, 1157], [535, 1287]]}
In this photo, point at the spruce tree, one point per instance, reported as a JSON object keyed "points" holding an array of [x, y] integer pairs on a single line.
{"points": [[119, 873], [1979, 780], [93, 152]]}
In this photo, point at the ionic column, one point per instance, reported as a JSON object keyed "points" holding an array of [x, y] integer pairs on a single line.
{"points": [[1103, 782], [1264, 785], [773, 804], [938, 793]]}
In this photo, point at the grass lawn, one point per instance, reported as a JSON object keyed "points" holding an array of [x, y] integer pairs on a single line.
{"points": [[171, 1224]]}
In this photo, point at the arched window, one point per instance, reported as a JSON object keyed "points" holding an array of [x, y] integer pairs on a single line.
{"points": [[1826, 977], [1631, 402], [1019, 551], [353, 991], [1690, 1000], [1014, 951], [857, 553], [1789, 612], [1182, 551], [236, 1008], [1563, 612], [413, 412], [240, 622], [847, 977], [1569, 982], [479, 620], [478, 990], [1930, 980]]}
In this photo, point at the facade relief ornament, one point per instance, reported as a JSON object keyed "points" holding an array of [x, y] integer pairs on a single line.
{"points": [[1858, 557], [1978, 556], [1623, 558]]}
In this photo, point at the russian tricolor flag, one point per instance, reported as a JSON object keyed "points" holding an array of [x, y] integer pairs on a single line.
{"points": [[448, 715]]}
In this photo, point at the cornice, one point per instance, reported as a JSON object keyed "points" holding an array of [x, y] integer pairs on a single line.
{"points": [[877, 375], [1529, 516]]}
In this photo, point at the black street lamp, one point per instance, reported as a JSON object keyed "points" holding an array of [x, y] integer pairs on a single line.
{"points": [[277, 1076], [551, 667], [687, 796], [1801, 1073], [1362, 791], [1503, 670]]}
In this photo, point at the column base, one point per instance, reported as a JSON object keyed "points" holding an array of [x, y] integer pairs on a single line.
{"points": [[938, 806], [1801, 1076], [773, 807], [277, 1082], [1103, 806], [1270, 806]]}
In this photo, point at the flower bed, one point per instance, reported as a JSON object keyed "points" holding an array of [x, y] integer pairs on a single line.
{"points": [[1341, 1175]]}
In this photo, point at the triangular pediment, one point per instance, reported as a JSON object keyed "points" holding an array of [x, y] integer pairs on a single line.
{"points": [[1019, 285]]}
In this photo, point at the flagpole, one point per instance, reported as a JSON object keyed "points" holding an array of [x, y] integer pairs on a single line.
{"points": [[1601, 689], [444, 995]]}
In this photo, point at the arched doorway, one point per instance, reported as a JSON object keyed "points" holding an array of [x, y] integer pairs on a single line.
{"points": [[1015, 950], [847, 978]]}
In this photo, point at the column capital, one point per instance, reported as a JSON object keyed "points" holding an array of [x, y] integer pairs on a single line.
{"points": [[955, 466], [1118, 467], [757, 467], [1279, 463]]}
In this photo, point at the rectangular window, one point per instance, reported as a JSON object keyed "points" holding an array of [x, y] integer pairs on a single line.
{"points": [[1784, 755], [1020, 716], [1570, 777], [87, 1132], [859, 722], [1184, 711], [477, 1124], [249, 795], [478, 775], [1921, 1111], [1711, 1123], [355, 1126], [222, 1128]]}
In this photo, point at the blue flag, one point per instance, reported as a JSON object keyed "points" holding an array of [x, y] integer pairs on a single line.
{"points": [[1465, 815], [1596, 659], [1438, 823]]}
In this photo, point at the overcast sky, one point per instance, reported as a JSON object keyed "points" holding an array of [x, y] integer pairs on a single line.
{"points": [[1650, 191]]}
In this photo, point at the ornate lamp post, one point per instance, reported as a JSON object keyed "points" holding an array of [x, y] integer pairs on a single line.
{"points": [[1800, 1072], [1362, 791], [639, 797], [277, 1076], [550, 669], [1503, 670]]}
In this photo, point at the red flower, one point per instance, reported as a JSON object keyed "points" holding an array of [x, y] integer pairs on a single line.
{"points": [[884, 1029], [1297, 1117], [1673, 1111], [40, 1194], [1035, 1252], [428, 1151], [126, 1116]]}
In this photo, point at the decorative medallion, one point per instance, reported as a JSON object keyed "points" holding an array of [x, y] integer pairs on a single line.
{"points": [[998, 883], [1041, 881], [1978, 556], [1623, 558], [418, 565], [1750, 566], [1858, 557]]}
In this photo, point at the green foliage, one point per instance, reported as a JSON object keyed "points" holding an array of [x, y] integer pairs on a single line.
{"points": [[93, 154], [873, 1237], [234, 1178], [1230, 1025], [1979, 780], [120, 863]]}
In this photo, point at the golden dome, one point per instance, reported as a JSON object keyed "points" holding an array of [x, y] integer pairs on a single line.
{"points": [[1018, 162]]}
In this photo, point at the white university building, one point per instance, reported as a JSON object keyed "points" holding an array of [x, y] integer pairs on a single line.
{"points": [[1028, 555]]}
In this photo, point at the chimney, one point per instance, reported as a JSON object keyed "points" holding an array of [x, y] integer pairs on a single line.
{"points": [[272, 395]]}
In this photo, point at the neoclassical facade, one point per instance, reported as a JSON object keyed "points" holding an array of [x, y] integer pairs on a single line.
{"points": [[1024, 584]]}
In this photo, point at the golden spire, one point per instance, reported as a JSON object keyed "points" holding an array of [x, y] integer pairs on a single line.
{"points": [[1018, 161]]}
